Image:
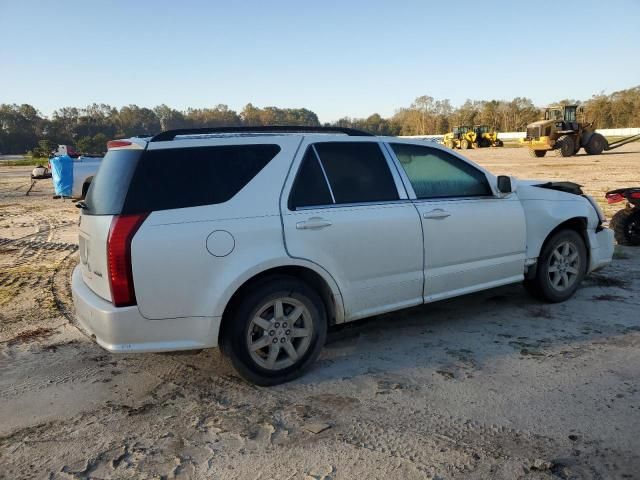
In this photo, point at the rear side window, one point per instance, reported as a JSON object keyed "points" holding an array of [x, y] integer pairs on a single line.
{"points": [[434, 173], [190, 177], [136, 181]]}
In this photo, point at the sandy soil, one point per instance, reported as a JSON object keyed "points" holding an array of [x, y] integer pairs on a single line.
{"points": [[491, 385]]}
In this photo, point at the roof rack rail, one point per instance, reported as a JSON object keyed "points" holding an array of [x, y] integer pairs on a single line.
{"points": [[172, 134]]}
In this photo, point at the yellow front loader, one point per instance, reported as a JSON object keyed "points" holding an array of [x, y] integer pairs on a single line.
{"points": [[462, 137], [486, 137]]}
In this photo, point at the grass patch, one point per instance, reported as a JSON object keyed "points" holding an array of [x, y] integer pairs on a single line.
{"points": [[25, 162]]}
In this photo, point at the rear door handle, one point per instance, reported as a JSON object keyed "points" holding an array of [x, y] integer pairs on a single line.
{"points": [[314, 223], [437, 213]]}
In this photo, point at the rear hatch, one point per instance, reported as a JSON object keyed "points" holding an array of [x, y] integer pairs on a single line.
{"points": [[105, 200]]}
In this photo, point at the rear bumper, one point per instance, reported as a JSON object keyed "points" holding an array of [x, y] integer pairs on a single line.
{"points": [[124, 330], [601, 245]]}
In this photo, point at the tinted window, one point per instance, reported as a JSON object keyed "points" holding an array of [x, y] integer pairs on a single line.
{"points": [[189, 177], [434, 173], [109, 187], [357, 172], [310, 187]]}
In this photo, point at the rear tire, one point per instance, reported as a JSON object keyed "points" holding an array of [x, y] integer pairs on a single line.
{"points": [[500, 143], [276, 331], [565, 146], [562, 265], [597, 144], [537, 153], [626, 226]]}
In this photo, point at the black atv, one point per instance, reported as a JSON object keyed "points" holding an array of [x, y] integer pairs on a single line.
{"points": [[626, 223]]}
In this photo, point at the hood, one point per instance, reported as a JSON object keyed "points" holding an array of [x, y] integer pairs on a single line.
{"points": [[548, 190]]}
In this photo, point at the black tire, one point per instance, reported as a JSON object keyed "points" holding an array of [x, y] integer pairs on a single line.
{"points": [[464, 144], [626, 226], [542, 285], [565, 146], [500, 143], [236, 336], [597, 144], [537, 153]]}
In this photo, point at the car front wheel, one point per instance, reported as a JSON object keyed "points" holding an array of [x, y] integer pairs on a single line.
{"points": [[276, 331], [561, 267]]}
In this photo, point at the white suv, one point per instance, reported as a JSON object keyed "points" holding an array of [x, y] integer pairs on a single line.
{"points": [[258, 239]]}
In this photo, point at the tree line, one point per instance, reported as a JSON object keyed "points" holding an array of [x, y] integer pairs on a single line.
{"points": [[23, 128]]}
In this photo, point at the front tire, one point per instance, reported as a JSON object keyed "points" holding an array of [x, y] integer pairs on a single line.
{"points": [[565, 146], [626, 226], [562, 265], [537, 153], [276, 331], [464, 144]]}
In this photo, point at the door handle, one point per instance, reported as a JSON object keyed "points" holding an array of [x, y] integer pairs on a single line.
{"points": [[437, 213], [314, 223]]}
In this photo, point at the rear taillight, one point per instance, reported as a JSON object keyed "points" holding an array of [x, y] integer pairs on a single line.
{"points": [[123, 228], [634, 195], [614, 198]]}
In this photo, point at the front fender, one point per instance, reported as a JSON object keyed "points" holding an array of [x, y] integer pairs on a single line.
{"points": [[544, 216]]}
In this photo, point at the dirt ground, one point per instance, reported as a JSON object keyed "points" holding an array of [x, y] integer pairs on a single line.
{"points": [[491, 385]]}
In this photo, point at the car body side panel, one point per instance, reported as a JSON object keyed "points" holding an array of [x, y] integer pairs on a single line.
{"points": [[181, 266], [546, 209]]}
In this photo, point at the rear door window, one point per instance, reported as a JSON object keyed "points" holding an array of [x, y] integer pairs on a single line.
{"points": [[357, 172], [343, 173], [310, 188]]}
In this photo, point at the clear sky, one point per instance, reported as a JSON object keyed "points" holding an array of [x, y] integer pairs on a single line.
{"points": [[336, 58]]}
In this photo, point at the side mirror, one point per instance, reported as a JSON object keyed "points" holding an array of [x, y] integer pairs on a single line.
{"points": [[504, 184]]}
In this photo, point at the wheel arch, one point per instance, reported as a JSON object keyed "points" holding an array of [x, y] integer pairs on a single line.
{"points": [[578, 224], [321, 282]]}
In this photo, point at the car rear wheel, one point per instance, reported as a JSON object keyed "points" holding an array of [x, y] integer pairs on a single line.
{"points": [[276, 331], [561, 267]]}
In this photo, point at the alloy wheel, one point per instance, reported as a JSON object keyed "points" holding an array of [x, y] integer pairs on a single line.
{"points": [[279, 333], [564, 266]]}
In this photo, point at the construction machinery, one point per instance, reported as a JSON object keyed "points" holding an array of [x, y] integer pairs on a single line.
{"points": [[479, 136], [461, 136], [562, 131], [486, 136]]}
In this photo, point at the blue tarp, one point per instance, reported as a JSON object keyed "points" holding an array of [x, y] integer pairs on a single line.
{"points": [[62, 175]]}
